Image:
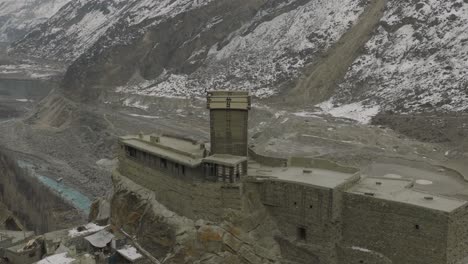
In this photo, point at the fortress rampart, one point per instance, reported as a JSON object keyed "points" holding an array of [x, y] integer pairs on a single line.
{"points": [[325, 213]]}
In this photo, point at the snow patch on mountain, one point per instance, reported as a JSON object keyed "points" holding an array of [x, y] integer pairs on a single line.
{"points": [[355, 111], [17, 17], [80, 24], [155, 10], [265, 53], [417, 61], [172, 85]]}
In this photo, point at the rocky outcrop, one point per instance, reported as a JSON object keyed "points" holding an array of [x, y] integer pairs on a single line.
{"points": [[176, 239]]}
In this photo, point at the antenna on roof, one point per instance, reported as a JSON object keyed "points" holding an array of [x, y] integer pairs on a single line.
{"points": [[211, 84]]}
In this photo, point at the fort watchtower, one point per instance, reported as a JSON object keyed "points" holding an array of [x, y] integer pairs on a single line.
{"points": [[229, 115]]}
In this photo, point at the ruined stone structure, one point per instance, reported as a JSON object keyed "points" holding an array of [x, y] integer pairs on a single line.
{"points": [[325, 213]]}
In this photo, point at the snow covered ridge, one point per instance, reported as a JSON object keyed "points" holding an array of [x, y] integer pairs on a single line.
{"points": [[417, 61], [17, 17], [265, 53], [81, 23]]}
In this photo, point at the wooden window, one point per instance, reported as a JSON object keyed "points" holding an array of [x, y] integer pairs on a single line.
{"points": [[163, 163], [131, 152]]}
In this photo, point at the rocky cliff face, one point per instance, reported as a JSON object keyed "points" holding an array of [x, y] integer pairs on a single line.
{"points": [[416, 61], [18, 17], [39, 208]]}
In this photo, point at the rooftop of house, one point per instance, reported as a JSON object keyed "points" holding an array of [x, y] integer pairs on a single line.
{"points": [[15, 236], [186, 145], [401, 190], [184, 151], [225, 159], [180, 150], [310, 176], [427, 178]]}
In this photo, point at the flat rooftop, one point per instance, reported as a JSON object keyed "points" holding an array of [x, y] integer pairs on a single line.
{"points": [[430, 179], [401, 190], [309, 176], [225, 159], [15, 236], [183, 151]]}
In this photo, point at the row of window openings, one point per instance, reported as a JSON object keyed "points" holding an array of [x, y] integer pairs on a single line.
{"points": [[310, 206], [221, 171], [151, 160], [416, 226], [301, 232]]}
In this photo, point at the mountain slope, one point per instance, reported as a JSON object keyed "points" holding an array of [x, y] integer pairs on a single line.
{"points": [[181, 48], [80, 24], [17, 17], [416, 62]]}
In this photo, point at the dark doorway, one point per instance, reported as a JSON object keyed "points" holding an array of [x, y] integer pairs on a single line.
{"points": [[301, 233]]}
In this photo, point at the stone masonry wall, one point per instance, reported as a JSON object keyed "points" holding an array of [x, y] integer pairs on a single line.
{"points": [[267, 160], [305, 217], [195, 200], [457, 245], [320, 164], [403, 233]]}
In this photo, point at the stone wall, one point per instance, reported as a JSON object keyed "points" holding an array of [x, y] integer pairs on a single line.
{"points": [[267, 160], [320, 164], [195, 200], [403, 233], [227, 138], [306, 217], [457, 245]]}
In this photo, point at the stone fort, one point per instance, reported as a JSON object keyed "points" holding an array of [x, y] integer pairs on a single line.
{"points": [[329, 211]]}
